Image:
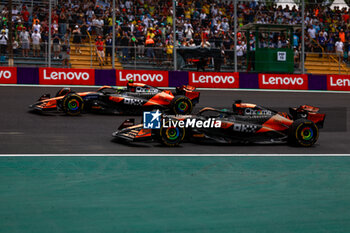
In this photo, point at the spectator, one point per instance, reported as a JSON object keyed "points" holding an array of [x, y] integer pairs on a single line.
{"points": [[124, 42], [159, 51], [149, 48], [36, 39], [4, 28], [240, 49], [140, 36], [133, 43], [77, 39], [45, 42], [25, 15], [322, 40], [191, 43], [84, 30], [15, 46], [98, 24], [24, 38], [109, 48], [62, 21], [169, 50], [56, 41], [296, 56], [312, 32], [342, 35], [339, 48], [100, 49], [3, 42], [66, 40], [37, 27], [65, 54], [330, 43]]}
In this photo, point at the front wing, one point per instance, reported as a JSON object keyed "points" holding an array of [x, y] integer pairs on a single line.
{"points": [[134, 133]]}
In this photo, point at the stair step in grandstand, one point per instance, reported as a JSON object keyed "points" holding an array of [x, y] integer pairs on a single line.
{"points": [[87, 58], [327, 64]]}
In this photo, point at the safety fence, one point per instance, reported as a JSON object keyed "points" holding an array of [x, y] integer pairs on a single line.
{"points": [[230, 80], [140, 57]]}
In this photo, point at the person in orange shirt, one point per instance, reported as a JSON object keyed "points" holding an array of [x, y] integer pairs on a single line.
{"points": [[342, 35], [35, 19]]}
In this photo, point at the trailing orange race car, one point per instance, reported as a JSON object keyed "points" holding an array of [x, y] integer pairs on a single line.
{"points": [[245, 123], [134, 99]]}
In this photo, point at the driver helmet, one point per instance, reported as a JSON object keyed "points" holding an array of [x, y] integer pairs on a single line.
{"points": [[129, 85], [130, 81]]}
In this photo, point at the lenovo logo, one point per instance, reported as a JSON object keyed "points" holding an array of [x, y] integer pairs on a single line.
{"points": [[214, 79], [61, 76], [149, 77], [5, 74], [338, 82], [66, 75], [283, 81], [141, 77], [8, 75]]}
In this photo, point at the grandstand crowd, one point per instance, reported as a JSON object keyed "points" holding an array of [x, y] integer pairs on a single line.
{"points": [[144, 27]]}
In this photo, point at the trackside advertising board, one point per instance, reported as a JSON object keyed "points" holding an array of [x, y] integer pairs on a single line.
{"points": [[8, 75], [149, 77], [338, 82], [60, 76], [214, 79], [283, 81]]}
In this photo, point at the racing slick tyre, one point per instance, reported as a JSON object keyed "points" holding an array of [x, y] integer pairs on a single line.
{"points": [[303, 132], [181, 105], [73, 104], [171, 136]]}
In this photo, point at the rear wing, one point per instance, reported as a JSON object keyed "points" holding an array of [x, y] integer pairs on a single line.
{"points": [[308, 112], [189, 91]]}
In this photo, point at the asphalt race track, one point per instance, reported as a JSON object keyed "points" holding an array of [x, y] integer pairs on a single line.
{"points": [[22, 132]]}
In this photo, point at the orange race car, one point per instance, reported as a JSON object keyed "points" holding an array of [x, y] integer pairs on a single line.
{"points": [[134, 99], [244, 123]]}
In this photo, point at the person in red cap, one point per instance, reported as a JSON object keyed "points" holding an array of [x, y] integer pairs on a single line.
{"points": [[25, 15], [100, 49]]}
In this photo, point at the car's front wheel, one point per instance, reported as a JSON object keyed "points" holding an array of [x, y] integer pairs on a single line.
{"points": [[73, 104], [171, 135]]}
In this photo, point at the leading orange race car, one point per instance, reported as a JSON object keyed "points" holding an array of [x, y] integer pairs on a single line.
{"points": [[134, 99]]}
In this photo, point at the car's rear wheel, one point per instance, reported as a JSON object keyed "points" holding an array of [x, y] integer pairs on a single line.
{"points": [[73, 104], [181, 105], [171, 136], [303, 132]]}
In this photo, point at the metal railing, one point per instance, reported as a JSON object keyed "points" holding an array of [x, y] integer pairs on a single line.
{"points": [[327, 63], [141, 57]]}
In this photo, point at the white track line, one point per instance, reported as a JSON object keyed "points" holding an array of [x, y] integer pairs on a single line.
{"points": [[204, 89], [175, 155]]}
